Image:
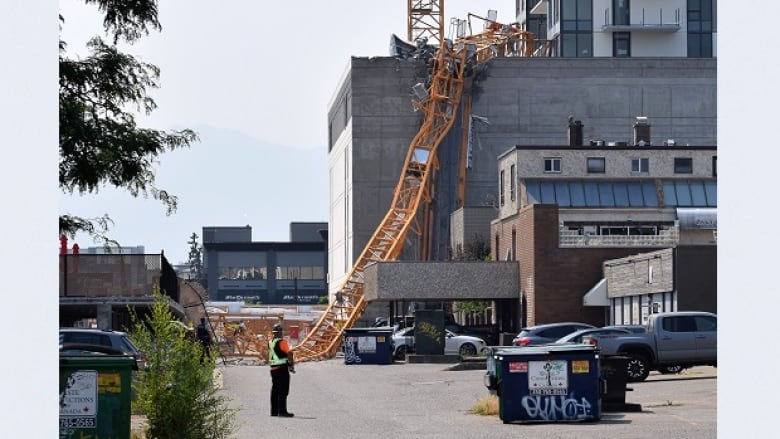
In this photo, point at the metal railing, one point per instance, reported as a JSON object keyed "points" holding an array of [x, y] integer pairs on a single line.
{"points": [[673, 24], [665, 238]]}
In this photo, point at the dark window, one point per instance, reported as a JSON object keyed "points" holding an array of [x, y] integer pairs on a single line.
{"points": [[596, 165], [552, 164], [501, 188], [621, 12], [577, 28], [683, 166], [706, 323], [679, 324], [512, 183], [621, 44], [700, 19], [715, 166]]}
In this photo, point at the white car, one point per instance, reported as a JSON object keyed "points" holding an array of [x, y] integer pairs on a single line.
{"points": [[463, 345]]}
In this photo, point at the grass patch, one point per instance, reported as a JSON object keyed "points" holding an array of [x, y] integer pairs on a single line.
{"points": [[486, 406]]}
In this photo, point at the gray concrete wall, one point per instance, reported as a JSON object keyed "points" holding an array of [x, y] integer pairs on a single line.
{"points": [[468, 223], [441, 281]]}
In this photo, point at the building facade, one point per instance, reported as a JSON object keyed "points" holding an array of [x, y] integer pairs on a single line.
{"points": [[565, 212], [272, 273], [622, 28]]}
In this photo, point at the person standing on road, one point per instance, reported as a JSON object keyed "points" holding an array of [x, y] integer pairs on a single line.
{"points": [[204, 337], [280, 358]]}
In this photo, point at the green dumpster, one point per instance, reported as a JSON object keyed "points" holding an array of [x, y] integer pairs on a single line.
{"points": [[95, 396]]}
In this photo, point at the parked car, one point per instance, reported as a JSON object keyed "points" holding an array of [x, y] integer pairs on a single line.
{"points": [[99, 340], [576, 336], [463, 345], [547, 333], [673, 341], [636, 329]]}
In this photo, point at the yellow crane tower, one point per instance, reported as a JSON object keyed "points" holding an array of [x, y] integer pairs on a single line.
{"points": [[440, 106]]}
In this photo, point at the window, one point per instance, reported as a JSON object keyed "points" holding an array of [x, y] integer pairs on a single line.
{"points": [[640, 165], [552, 164], [683, 166], [679, 324], [596, 165], [621, 12], [576, 28], [501, 187], [715, 166], [512, 183], [700, 27], [621, 44]]}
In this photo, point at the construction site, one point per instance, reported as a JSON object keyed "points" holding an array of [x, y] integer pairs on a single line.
{"points": [[414, 139]]}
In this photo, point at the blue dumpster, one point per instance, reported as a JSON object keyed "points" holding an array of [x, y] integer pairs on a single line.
{"points": [[368, 346], [548, 383]]}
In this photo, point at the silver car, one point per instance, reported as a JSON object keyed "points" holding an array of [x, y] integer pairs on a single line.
{"points": [[463, 345]]}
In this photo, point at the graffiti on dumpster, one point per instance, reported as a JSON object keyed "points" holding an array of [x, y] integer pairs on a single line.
{"points": [[349, 351], [556, 407]]}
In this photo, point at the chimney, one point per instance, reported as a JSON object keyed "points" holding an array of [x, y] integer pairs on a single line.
{"points": [[641, 132], [575, 132]]}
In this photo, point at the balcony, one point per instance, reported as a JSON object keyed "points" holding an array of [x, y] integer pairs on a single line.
{"points": [[667, 237], [649, 22]]}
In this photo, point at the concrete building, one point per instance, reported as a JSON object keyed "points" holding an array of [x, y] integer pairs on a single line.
{"points": [[515, 101], [271, 273], [622, 28]]}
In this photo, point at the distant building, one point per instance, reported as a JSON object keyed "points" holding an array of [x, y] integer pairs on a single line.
{"points": [[621, 28], [271, 273]]}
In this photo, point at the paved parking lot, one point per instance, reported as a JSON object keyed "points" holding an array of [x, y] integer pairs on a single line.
{"points": [[334, 400]]}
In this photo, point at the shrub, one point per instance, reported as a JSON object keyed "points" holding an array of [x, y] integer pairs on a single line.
{"points": [[175, 390], [486, 406]]}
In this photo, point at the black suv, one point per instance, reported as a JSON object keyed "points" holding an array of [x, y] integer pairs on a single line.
{"points": [[98, 340]]}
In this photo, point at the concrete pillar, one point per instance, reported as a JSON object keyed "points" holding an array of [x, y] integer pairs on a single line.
{"points": [[104, 316]]}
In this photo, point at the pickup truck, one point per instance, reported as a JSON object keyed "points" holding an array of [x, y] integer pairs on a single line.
{"points": [[672, 340]]}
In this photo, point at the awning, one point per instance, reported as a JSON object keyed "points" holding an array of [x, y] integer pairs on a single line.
{"points": [[597, 296]]}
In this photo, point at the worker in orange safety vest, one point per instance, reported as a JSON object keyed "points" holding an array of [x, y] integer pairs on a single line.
{"points": [[280, 358]]}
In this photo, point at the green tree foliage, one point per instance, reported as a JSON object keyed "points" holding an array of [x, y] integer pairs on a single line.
{"points": [[175, 391], [477, 249], [100, 142]]}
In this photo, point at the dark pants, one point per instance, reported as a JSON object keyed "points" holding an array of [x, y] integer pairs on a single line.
{"points": [[280, 388]]}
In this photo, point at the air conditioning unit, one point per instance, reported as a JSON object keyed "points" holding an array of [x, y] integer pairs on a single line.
{"points": [[669, 142], [597, 143]]}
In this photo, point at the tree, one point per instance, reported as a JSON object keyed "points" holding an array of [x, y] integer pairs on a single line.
{"points": [[175, 390], [100, 142], [195, 260]]}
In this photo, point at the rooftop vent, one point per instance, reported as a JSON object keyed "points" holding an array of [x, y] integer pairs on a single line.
{"points": [[575, 132]]}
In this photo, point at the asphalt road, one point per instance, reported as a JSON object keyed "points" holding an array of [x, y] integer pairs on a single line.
{"points": [[334, 400]]}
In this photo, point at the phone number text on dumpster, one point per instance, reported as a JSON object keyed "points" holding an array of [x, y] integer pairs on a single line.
{"points": [[87, 422]]}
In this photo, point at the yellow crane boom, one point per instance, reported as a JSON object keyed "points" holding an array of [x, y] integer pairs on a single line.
{"points": [[440, 108]]}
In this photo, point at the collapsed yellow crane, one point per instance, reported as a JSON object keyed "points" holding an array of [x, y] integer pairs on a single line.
{"points": [[440, 107]]}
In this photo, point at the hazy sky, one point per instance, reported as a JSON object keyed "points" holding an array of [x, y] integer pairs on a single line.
{"points": [[255, 79]]}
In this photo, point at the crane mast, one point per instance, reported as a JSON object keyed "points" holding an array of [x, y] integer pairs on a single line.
{"points": [[414, 188]]}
